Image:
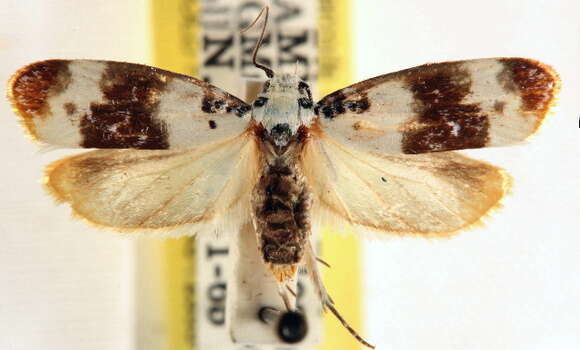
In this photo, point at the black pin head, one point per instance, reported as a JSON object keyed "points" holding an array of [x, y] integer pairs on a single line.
{"points": [[292, 327]]}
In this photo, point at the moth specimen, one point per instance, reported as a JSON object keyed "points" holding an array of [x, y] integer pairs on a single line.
{"points": [[179, 156]]}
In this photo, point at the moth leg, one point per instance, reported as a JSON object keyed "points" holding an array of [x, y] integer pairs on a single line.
{"points": [[312, 267], [292, 291], [327, 302], [322, 262], [287, 295]]}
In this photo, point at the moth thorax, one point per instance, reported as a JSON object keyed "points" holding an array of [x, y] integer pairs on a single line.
{"points": [[281, 134]]}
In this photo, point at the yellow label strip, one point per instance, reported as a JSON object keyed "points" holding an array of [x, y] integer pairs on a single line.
{"points": [[175, 33], [334, 45], [343, 280], [176, 29]]}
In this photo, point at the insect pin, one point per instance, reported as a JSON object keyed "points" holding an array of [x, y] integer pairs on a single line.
{"points": [[179, 156]]}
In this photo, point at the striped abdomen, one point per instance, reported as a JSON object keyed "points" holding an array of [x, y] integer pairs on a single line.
{"points": [[281, 202]]}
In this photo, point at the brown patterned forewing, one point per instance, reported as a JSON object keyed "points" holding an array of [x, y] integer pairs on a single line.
{"points": [[442, 106], [104, 104]]}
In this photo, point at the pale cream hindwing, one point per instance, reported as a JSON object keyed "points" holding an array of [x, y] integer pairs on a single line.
{"points": [[105, 104], [427, 194], [175, 192], [442, 106]]}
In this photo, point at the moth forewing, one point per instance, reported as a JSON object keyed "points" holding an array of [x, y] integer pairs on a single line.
{"points": [[105, 104], [442, 106]]}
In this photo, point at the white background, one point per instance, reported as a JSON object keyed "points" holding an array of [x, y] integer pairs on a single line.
{"points": [[514, 284], [63, 285]]}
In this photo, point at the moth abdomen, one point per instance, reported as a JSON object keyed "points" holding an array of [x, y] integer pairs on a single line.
{"points": [[281, 202]]}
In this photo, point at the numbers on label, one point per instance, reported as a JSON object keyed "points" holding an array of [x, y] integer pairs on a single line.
{"points": [[217, 289]]}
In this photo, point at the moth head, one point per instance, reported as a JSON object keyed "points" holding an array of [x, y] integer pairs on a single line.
{"points": [[284, 105]]}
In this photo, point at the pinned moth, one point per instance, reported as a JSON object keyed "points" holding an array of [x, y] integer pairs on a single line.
{"points": [[180, 156]]}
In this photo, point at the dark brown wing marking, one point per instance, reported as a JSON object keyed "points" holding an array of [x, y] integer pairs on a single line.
{"points": [[126, 119], [444, 122], [31, 87], [442, 106], [105, 104], [537, 83]]}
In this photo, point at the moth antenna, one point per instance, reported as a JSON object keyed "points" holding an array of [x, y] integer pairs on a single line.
{"points": [[347, 326], [246, 28], [265, 10]]}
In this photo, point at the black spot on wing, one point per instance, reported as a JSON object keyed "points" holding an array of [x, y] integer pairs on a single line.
{"points": [[212, 103], [338, 103], [215, 103], [70, 108], [241, 110], [357, 106]]}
